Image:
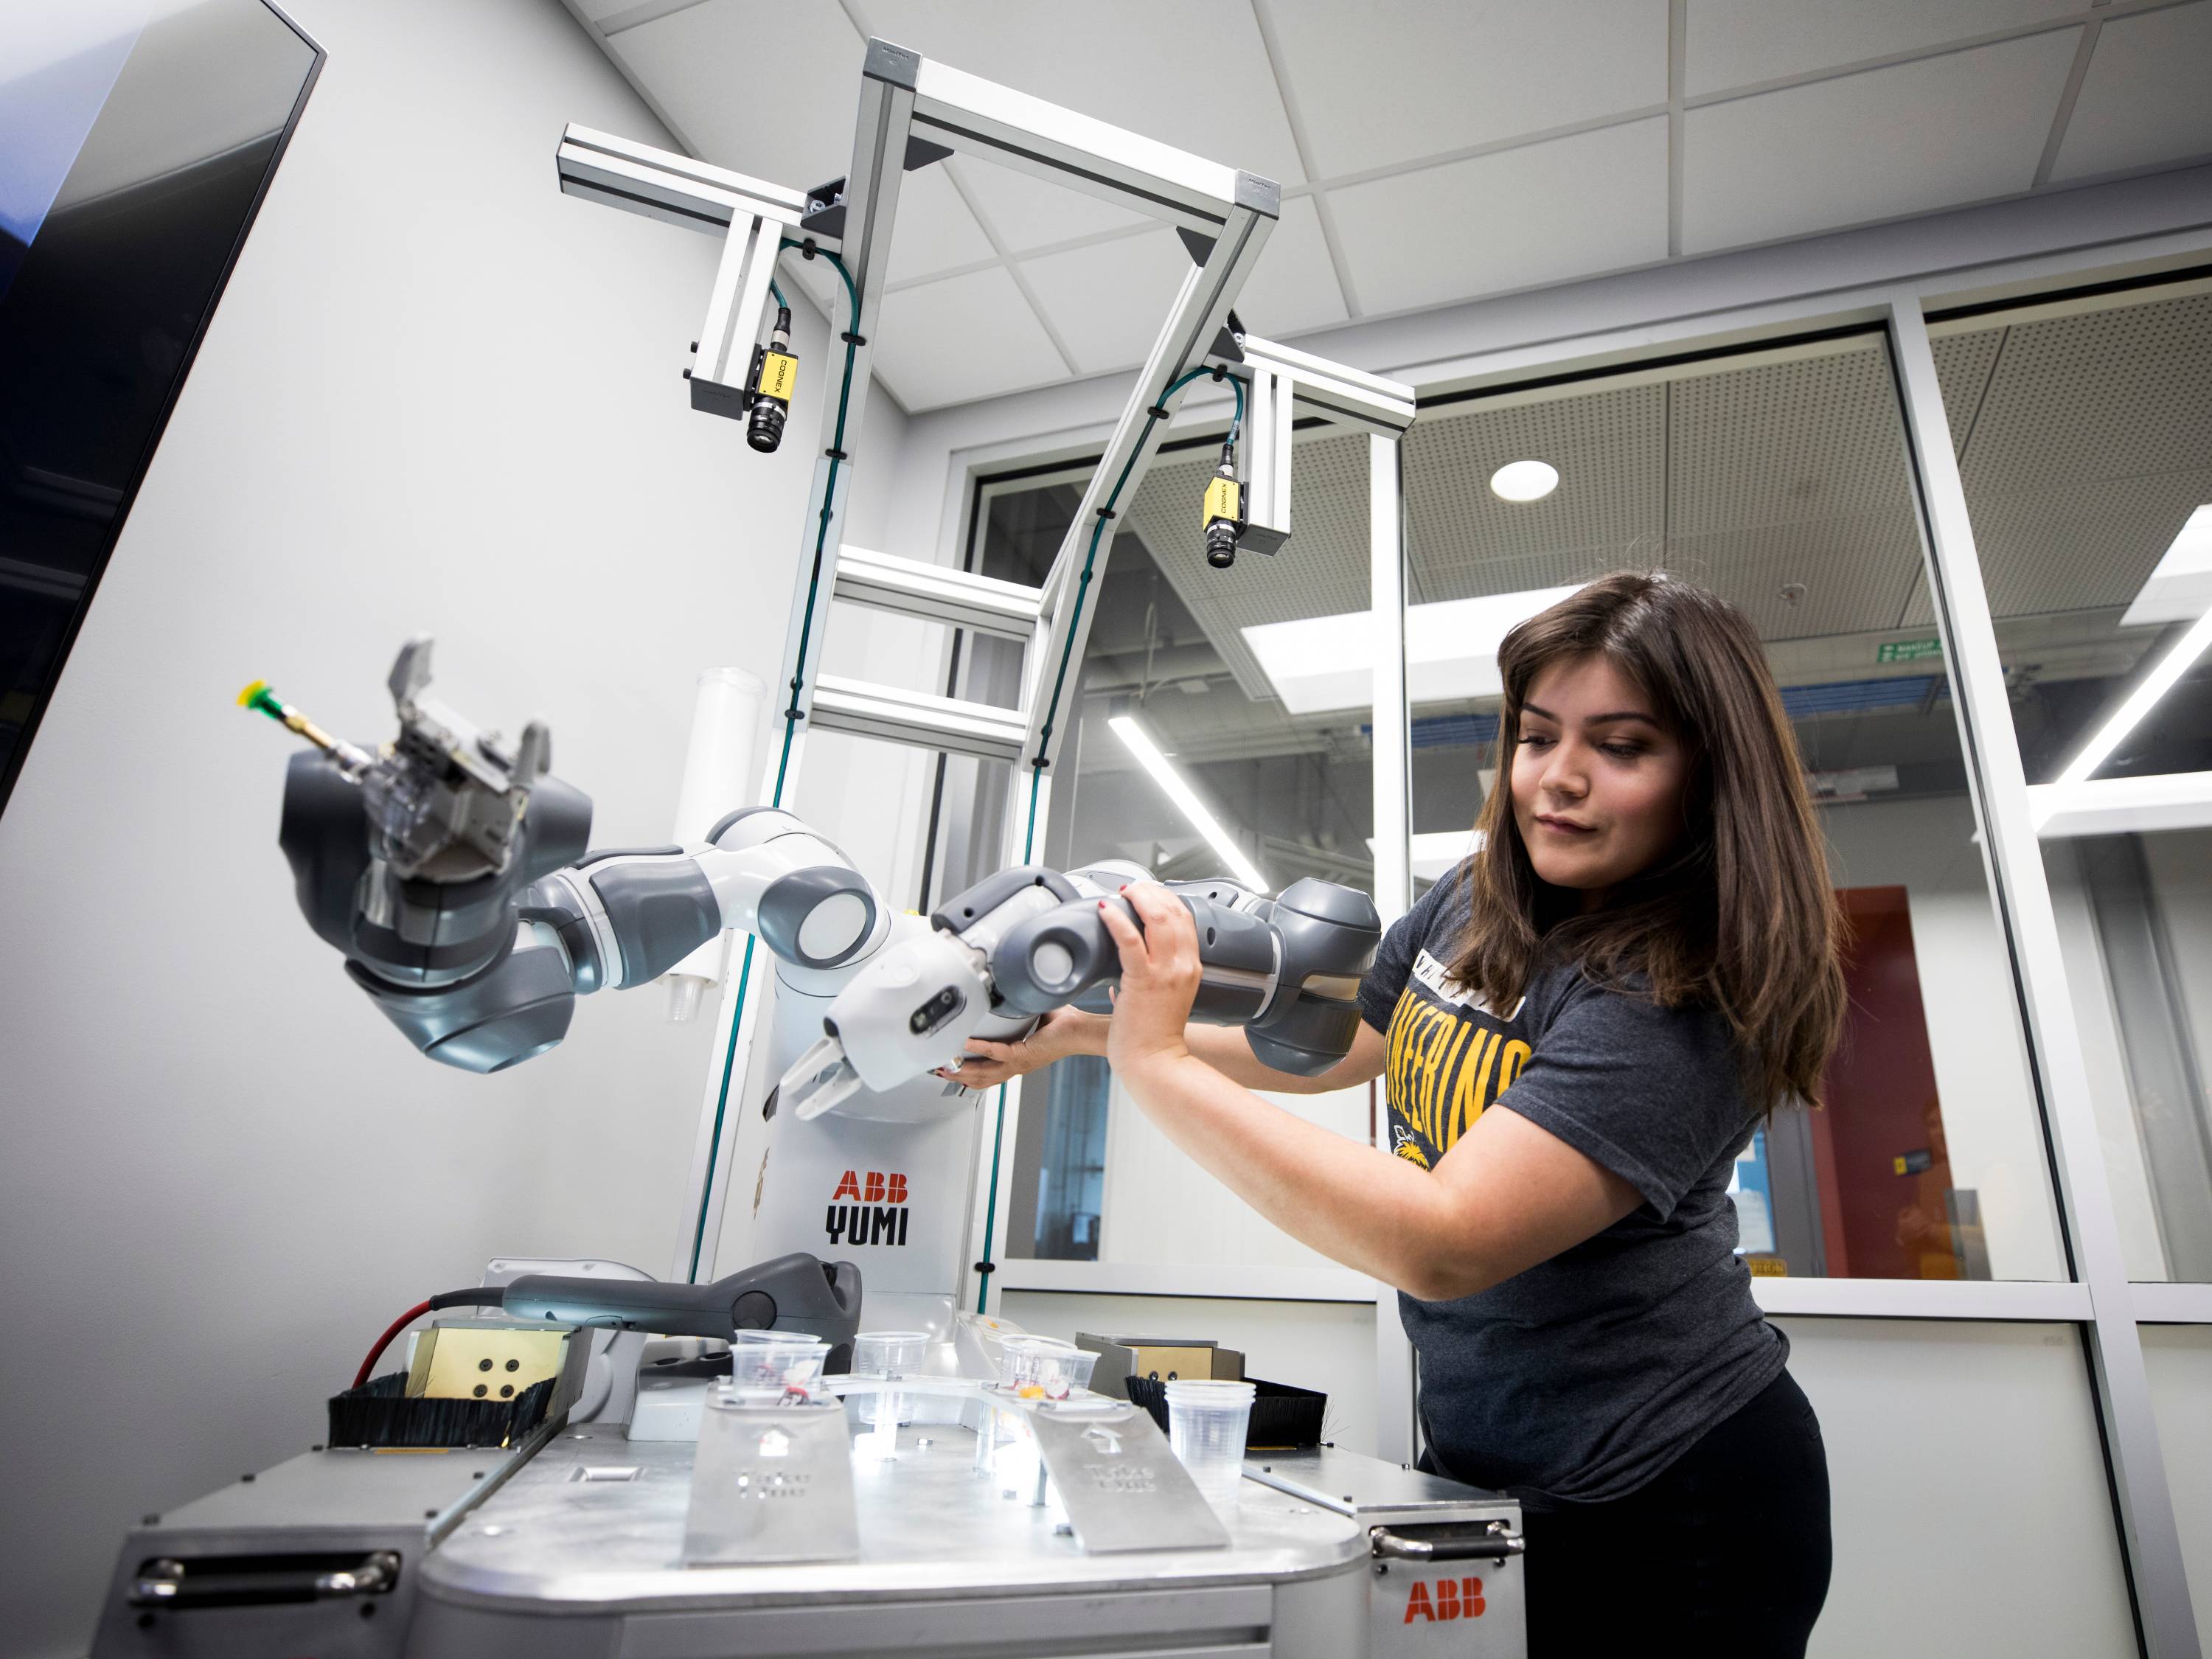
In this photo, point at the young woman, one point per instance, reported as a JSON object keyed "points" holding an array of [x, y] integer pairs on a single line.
{"points": [[1579, 1029]]}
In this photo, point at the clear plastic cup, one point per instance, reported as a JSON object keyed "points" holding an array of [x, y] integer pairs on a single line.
{"points": [[784, 1359], [890, 1355], [1050, 1367], [1206, 1426]]}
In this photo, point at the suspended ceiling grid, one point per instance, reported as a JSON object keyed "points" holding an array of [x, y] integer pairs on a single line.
{"points": [[1750, 481], [2085, 440], [1431, 151]]}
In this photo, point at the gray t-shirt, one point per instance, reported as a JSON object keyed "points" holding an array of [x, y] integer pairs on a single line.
{"points": [[1585, 1376]]}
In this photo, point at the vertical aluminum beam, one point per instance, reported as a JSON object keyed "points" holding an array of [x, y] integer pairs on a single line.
{"points": [[2156, 1574], [1395, 1436], [872, 191], [734, 306], [1268, 433]]}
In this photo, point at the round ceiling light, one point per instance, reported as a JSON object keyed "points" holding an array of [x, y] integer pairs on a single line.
{"points": [[1524, 481]]}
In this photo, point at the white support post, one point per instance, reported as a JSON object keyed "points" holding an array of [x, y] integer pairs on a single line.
{"points": [[1396, 1425], [2013, 858]]}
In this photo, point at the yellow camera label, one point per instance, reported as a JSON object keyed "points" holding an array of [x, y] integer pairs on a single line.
{"points": [[1224, 500], [778, 375]]}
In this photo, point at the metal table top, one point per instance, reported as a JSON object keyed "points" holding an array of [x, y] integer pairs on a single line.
{"points": [[564, 1534]]}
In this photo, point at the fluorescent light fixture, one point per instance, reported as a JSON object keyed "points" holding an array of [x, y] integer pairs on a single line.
{"points": [[1141, 744], [2171, 668], [1524, 481], [2180, 588], [1321, 663]]}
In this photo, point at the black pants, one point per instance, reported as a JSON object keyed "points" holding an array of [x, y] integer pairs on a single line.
{"points": [[1725, 1551]]}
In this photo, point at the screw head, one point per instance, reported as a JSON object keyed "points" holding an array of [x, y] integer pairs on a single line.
{"points": [[150, 1520], [429, 1515]]}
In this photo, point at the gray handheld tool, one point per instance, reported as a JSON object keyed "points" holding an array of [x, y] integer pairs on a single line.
{"points": [[795, 1292]]}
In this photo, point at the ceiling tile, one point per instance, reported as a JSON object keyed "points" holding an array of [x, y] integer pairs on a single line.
{"points": [[1294, 286], [1190, 73], [1565, 208], [1109, 301], [705, 66], [1738, 43], [929, 351], [1464, 542], [1962, 127], [1391, 81], [2145, 99], [935, 231], [1026, 213]]}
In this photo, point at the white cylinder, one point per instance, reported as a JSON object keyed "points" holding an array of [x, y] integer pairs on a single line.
{"points": [[718, 768], [718, 779]]}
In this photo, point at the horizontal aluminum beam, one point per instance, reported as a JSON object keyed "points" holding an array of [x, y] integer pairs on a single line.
{"points": [[894, 715], [661, 185], [1350, 396], [982, 119], [2112, 806], [938, 594]]}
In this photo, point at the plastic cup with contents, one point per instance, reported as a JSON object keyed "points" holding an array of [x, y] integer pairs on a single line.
{"points": [[784, 1359], [1044, 1367], [890, 1355], [1206, 1426]]}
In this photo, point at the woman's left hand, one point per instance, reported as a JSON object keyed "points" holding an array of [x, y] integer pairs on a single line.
{"points": [[1159, 978]]}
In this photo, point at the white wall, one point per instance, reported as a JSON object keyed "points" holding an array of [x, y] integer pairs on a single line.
{"points": [[438, 395], [1162, 1206], [1971, 1511], [1328, 1345], [1991, 1122], [2179, 1360]]}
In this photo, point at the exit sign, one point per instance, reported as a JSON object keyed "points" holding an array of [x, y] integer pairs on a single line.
{"points": [[1909, 650]]}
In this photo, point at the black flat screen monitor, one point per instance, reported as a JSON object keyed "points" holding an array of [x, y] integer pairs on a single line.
{"points": [[137, 138]]}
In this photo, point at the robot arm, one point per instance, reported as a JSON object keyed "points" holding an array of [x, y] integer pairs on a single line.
{"points": [[471, 915], [1028, 940], [468, 911]]}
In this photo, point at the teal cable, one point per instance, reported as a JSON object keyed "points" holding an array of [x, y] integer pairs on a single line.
{"points": [[1044, 734], [790, 725], [776, 294]]}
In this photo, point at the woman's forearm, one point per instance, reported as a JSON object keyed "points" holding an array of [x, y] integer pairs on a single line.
{"points": [[1228, 1051]]}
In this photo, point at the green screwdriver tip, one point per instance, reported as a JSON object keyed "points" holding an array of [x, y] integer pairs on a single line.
{"points": [[259, 695]]}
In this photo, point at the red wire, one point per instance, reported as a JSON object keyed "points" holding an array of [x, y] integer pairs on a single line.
{"points": [[384, 1341]]}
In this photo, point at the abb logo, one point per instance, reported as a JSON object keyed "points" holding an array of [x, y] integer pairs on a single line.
{"points": [[881, 1189], [1452, 1598], [868, 1209]]}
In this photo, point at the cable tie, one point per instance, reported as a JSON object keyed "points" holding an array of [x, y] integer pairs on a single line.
{"points": [[853, 339], [836, 454], [1220, 373], [1105, 512], [806, 249], [1157, 413]]}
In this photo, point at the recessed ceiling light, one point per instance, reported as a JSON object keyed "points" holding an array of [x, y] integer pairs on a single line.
{"points": [[1524, 481]]}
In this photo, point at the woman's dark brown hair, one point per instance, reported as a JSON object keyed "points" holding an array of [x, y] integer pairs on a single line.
{"points": [[1740, 915]]}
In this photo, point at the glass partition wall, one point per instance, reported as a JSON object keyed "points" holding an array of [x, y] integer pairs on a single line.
{"points": [[1780, 480], [1977, 544], [2083, 434], [1178, 689]]}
